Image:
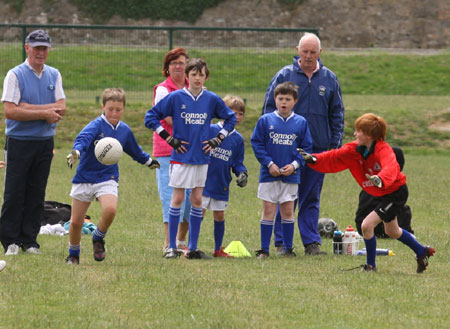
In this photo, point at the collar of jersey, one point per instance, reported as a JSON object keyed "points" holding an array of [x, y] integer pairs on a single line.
{"points": [[110, 124], [187, 91], [277, 113]]}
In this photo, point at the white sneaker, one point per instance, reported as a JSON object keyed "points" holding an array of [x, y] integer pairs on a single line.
{"points": [[13, 249], [33, 250], [2, 265]]}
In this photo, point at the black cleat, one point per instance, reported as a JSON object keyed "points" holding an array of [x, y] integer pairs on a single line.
{"points": [[313, 249], [99, 250], [196, 254], [261, 254], [171, 253], [422, 262], [75, 260], [290, 253], [368, 268]]}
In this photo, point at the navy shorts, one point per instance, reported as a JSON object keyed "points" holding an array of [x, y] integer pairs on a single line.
{"points": [[391, 205]]}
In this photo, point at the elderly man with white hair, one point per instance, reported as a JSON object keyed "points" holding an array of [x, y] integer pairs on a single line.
{"points": [[34, 102], [320, 103]]}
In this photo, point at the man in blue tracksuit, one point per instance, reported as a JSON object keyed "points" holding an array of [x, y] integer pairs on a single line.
{"points": [[320, 103]]}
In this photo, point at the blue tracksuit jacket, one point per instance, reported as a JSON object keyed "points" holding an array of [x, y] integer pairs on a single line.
{"points": [[319, 102]]}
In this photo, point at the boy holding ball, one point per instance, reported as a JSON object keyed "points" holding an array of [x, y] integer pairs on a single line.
{"points": [[94, 180]]}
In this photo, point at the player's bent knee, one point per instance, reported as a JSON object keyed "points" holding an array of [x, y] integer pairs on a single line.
{"points": [[76, 224]]}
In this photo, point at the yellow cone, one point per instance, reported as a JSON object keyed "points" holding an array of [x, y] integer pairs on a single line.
{"points": [[237, 249]]}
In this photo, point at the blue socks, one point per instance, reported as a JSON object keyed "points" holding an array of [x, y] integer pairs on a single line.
{"points": [[266, 234], [174, 220], [408, 239], [74, 250], [219, 231], [287, 226], [195, 221], [98, 235], [371, 249]]}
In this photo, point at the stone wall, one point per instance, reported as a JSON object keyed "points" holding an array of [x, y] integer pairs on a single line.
{"points": [[414, 24]]}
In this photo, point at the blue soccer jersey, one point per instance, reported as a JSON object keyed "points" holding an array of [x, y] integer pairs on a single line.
{"points": [[191, 117], [276, 139], [229, 156], [90, 170]]}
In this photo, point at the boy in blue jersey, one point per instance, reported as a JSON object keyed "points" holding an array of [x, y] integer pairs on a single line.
{"points": [[94, 180], [224, 159], [275, 140], [192, 110]]}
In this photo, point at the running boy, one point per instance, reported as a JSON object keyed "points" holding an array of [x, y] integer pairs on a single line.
{"points": [[192, 110], [94, 180], [373, 164], [275, 140], [224, 159]]}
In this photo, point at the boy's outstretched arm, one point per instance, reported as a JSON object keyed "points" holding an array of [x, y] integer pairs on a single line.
{"points": [[309, 158]]}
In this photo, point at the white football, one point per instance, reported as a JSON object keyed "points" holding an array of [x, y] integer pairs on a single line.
{"points": [[108, 151], [2, 265]]}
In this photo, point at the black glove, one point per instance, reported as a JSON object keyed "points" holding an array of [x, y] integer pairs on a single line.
{"points": [[309, 158], [242, 179], [216, 141], [175, 143], [154, 164]]}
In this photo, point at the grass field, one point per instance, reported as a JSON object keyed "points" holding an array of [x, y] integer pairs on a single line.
{"points": [[87, 70], [136, 288]]}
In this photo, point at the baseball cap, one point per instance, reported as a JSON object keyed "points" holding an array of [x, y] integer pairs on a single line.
{"points": [[38, 38]]}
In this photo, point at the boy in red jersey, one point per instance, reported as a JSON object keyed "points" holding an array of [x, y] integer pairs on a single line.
{"points": [[373, 164]]}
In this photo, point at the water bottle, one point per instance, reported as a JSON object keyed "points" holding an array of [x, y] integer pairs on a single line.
{"points": [[380, 252], [349, 241], [337, 242]]}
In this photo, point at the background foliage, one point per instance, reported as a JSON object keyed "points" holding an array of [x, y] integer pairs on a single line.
{"points": [[184, 10]]}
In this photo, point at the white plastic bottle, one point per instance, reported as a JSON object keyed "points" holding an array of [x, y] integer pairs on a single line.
{"points": [[349, 242]]}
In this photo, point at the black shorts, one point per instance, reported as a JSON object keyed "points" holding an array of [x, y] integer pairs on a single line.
{"points": [[391, 205]]}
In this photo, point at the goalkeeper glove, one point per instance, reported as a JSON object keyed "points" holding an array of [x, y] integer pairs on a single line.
{"points": [[72, 158], [309, 158], [241, 181], [154, 164], [375, 179], [175, 143], [216, 141]]}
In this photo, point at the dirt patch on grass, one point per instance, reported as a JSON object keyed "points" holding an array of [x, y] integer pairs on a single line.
{"points": [[443, 122]]}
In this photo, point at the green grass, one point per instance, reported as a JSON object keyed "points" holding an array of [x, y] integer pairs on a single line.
{"points": [[136, 288], [87, 70]]}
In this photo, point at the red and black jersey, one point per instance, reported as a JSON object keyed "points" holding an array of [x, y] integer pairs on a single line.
{"points": [[380, 161]]}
